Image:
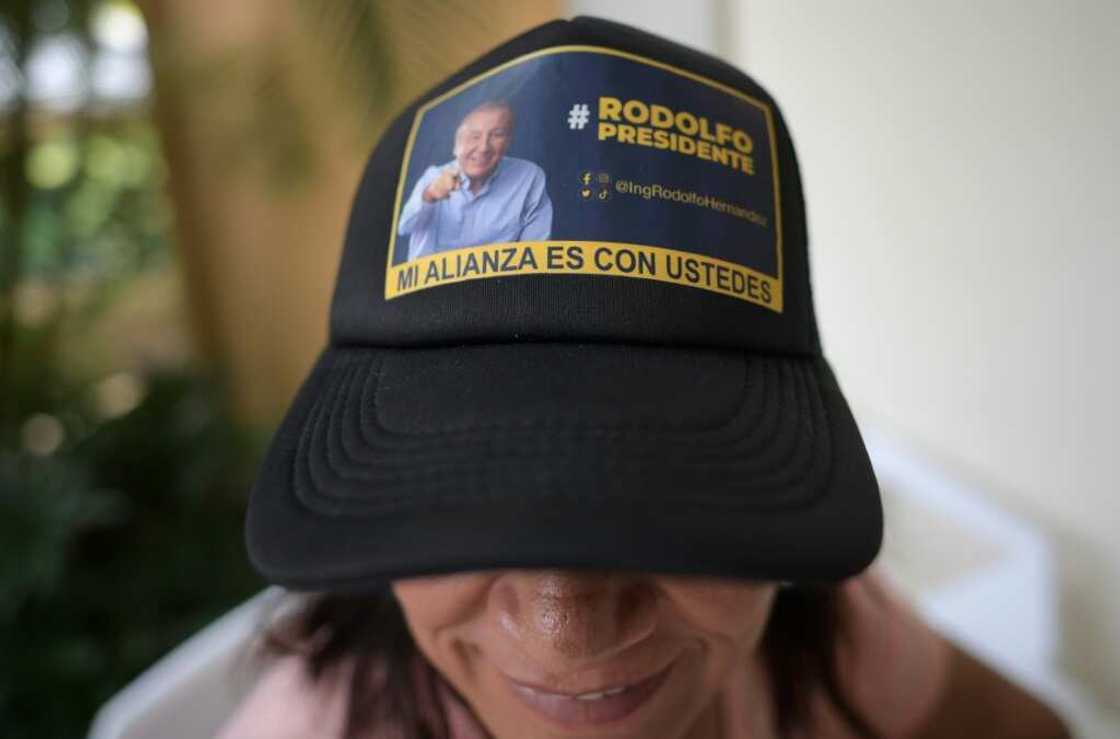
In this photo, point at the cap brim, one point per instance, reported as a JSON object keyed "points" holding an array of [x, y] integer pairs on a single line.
{"points": [[401, 462]]}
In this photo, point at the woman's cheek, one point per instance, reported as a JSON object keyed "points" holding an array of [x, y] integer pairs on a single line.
{"points": [[433, 603], [733, 611]]}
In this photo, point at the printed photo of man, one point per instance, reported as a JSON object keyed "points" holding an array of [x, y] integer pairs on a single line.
{"points": [[481, 196]]}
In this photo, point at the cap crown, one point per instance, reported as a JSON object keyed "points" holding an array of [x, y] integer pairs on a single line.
{"points": [[717, 258]]}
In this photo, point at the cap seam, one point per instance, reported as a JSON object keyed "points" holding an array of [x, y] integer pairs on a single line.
{"points": [[395, 503]]}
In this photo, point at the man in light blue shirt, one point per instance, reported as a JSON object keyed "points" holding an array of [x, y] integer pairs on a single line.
{"points": [[481, 196]]}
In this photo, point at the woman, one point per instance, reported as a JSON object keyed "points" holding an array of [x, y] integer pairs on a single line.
{"points": [[892, 676], [605, 486]]}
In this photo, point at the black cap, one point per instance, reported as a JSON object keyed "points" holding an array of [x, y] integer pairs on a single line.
{"points": [[572, 327]]}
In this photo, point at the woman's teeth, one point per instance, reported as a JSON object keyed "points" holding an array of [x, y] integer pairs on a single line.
{"points": [[601, 694]]}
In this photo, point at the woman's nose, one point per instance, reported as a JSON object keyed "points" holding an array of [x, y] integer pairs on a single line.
{"points": [[573, 615]]}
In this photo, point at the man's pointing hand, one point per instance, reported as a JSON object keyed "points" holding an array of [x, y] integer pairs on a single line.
{"points": [[442, 186]]}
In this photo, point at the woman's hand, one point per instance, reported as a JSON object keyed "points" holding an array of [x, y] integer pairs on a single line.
{"points": [[912, 683], [893, 668], [977, 699]]}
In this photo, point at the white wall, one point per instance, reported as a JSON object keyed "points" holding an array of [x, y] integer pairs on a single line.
{"points": [[961, 168]]}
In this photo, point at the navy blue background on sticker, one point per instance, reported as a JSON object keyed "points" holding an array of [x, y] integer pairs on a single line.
{"points": [[542, 92]]}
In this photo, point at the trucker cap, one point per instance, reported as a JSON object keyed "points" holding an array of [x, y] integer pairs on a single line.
{"points": [[572, 327]]}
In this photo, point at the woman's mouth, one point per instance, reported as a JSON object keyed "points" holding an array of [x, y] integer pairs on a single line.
{"points": [[590, 708]]}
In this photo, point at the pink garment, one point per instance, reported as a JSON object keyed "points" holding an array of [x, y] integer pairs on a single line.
{"points": [[895, 669], [287, 704]]}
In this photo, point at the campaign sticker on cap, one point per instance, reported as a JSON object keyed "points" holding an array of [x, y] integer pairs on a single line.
{"points": [[591, 161]]}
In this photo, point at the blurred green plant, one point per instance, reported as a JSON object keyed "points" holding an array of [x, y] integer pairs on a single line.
{"points": [[122, 482], [117, 546]]}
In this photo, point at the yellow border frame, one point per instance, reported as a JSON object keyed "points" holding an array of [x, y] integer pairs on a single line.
{"points": [[767, 113]]}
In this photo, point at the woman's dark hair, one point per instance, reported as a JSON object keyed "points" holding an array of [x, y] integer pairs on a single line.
{"points": [[798, 646]]}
